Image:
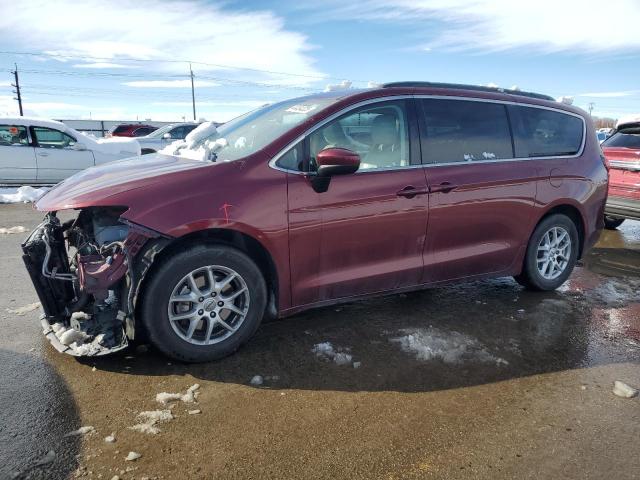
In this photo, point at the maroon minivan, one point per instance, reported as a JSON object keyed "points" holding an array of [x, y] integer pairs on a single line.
{"points": [[313, 201]]}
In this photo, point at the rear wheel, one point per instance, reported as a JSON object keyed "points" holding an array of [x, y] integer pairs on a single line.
{"points": [[551, 254], [611, 223], [204, 303]]}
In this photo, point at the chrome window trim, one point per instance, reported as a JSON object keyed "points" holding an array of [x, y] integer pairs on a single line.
{"points": [[272, 162]]}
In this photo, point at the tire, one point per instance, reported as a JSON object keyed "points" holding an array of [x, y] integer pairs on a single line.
{"points": [[532, 277], [171, 281], [611, 223]]}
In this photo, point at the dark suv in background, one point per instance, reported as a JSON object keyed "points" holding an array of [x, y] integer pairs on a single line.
{"points": [[313, 201]]}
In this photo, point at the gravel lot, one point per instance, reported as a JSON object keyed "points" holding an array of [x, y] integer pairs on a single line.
{"points": [[480, 380]]}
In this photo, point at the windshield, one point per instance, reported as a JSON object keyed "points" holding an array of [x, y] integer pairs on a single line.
{"points": [[160, 132], [253, 131], [620, 139]]}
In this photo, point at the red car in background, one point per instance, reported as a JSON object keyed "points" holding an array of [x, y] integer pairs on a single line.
{"points": [[131, 130], [622, 153]]}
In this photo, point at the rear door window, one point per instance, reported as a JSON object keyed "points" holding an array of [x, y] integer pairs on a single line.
{"points": [[464, 131], [13, 135], [545, 133], [623, 139]]}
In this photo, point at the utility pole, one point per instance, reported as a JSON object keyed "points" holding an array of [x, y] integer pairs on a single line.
{"points": [[591, 105], [17, 89], [193, 93]]}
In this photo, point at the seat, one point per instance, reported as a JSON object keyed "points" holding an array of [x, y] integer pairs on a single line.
{"points": [[385, 148]]}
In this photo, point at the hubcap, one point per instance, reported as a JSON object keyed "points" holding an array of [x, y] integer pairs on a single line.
{"points": [[554, 252], [208, 305]]}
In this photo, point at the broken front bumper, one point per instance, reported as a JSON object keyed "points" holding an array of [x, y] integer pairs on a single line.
{"points": [[82, 304]]}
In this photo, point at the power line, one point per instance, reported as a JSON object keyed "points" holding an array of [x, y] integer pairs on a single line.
{"points": [[185, 61]]}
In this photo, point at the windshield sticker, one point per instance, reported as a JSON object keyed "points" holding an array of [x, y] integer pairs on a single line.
{"points": [[13, 130], [302, 108]]}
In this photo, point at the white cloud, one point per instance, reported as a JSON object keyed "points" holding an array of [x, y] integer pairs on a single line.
{"points": [[494, 25], [118, 30], [170, 83], [5, 84], [626, 93]]}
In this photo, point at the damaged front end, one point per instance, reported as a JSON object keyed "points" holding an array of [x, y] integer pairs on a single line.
{"points": [[84, 273]]}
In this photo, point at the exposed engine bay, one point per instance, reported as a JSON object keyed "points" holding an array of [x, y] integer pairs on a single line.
{"points": [[83, 272]]}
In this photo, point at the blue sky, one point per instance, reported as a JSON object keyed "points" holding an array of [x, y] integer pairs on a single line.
{"points": [[125, 59]]}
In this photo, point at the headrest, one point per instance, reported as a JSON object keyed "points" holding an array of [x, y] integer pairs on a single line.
{"points": [[383, 130]]}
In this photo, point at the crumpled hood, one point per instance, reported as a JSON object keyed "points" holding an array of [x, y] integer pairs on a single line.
{"points": [[95, 185]]}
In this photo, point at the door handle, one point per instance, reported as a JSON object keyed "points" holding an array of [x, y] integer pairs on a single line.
{"points": [[43, 154], [444, 187], [410, 191]]}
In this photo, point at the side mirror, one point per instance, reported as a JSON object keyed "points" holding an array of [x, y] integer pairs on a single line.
{"points": [[167, 136], [337, 161], [79, 146], [333, 161]]}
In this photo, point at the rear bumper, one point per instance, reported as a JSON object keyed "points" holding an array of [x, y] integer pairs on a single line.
{"points": [[620, 207]]}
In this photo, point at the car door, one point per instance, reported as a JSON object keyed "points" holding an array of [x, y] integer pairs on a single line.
{"points": [[56, 156], [366, 232], [17, 155], [481, 198]]}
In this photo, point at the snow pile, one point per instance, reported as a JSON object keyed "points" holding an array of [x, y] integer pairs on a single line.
{"points": [[133, 456], [77, 340], [333, 87], [256, 380], [81, 431], [149, 420], [120, 146], [189, 397], [623, 390], [565, 99], [110, 438], [194, 412], [24, 194], [326, 351], [18, 229], [23, 310], [450, 347]]}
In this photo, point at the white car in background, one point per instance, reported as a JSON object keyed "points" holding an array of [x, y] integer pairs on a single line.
{"points": [[158, 139], [38, 151]]}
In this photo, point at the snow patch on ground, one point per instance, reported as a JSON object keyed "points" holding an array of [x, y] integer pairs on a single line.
{"points": [[23, 310], [10, 230], [133, 456], [256, 380], [81, 431], [449, 346], [110, 438], [24, 194], [623, 390], [189, 397], [326, 351], [150, 419]]}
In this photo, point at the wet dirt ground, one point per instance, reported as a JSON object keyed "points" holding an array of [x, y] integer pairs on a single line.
{"points": [[479, 380]]}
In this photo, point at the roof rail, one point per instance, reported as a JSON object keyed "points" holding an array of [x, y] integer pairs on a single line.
{"points": [[477, 88]]}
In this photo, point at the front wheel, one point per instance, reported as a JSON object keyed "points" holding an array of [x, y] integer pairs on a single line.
{"points": [[203, 303], [552, 253], [611, 223]]}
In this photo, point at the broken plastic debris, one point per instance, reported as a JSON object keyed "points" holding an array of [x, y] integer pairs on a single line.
{"points": [[133, 456], [194, 412], [256, 380], [110, 438], [623, 390], [81, 431]]}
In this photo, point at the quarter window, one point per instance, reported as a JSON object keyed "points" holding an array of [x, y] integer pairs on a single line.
{"points": [[13, 135], [465, 131], [545, 133], [50, 138], [379, 134]]}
